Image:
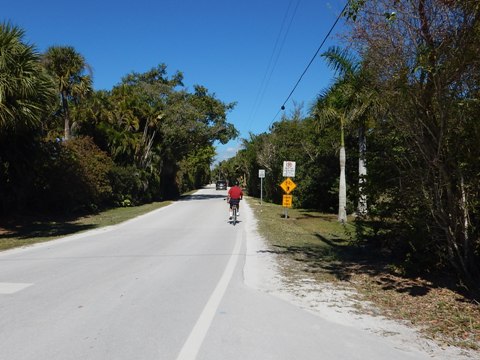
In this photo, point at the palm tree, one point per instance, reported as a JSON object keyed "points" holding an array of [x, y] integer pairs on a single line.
{"points": [[26, 92], [331, 108], [361, 101], [72, 75]]}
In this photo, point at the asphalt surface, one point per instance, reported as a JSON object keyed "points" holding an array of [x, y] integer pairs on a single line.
{"points": [[166, 285]]}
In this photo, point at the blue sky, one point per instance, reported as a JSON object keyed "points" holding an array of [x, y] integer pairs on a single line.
{"points": [[251, 52]]}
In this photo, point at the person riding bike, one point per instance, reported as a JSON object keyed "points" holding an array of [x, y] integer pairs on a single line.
{"points": [[235, 194]]}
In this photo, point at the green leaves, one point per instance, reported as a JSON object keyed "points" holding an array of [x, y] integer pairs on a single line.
{"points": [[425, 55], [72, 76], [147, 138], [26, 93], [150, 122], [354, 7]]}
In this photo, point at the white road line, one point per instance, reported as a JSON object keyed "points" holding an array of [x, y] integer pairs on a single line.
{"points": [[194, 342], [10, 288]]}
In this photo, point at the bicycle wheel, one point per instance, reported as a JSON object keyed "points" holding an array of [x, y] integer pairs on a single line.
{"points": [[234, 215]]}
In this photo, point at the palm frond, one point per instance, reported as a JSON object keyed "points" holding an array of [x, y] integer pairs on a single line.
{"points": [[341, 61], [26, 93]]}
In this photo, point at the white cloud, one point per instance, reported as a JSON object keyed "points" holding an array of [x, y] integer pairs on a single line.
{"points": [[225, 152]]}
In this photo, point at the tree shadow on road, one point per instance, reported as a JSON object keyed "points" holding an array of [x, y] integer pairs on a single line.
{"points": [[343, 261], [29, 228], [195, 197]]}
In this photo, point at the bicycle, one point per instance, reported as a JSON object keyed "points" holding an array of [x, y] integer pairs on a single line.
{"points": [[234, 213], [234, 206]]}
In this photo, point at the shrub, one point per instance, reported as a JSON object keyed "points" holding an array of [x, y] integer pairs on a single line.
{"points": [[75, 177]]}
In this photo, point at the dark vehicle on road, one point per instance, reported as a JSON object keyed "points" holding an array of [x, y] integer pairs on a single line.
{"points": [[221, 185]]}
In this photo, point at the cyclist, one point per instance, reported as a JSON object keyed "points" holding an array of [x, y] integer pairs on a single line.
{"points": [[235, 194]]}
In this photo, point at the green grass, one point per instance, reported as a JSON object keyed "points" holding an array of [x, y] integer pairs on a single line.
{"points": [[316, 246], [21, 231], [313, 241]]}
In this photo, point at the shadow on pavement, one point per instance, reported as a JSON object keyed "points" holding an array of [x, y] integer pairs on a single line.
{"points": [[40, 229], [202, 197]]}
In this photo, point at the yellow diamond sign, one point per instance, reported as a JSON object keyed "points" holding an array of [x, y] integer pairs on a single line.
{"points": [[288, 185]]}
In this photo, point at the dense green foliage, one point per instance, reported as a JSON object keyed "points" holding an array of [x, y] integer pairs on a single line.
{"points": [[409, 108], [67, 148], [404, 105], [68, 70], [26, 92], [298, 139]]}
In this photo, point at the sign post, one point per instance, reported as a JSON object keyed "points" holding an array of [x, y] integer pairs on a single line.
{"points": [[287, 201], [288, 185], [289, 169], [261, 175]]}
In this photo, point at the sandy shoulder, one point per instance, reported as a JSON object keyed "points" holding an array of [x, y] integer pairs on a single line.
{"points": [[332, 302]]}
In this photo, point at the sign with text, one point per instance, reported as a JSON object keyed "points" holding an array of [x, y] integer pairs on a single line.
{"points": [[287, 201], [288, 185], [289, 168], [261, 173]]}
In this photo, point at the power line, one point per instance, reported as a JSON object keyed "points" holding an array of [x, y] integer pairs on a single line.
{"points": [[278, 54], [311, 61], [277, 49], [262, 84]]}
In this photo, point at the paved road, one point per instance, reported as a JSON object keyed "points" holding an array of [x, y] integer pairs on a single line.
{"points": [[167, 285]]}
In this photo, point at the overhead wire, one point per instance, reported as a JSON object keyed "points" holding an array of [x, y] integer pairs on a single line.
{"points": [[262, 90], [276, 51], [270, 69], [310, 63], [273, 57], [255, 103]]}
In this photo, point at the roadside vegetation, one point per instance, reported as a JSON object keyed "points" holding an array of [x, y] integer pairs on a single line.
{"points": [[387, 165], [68, 149], [26, 230], [393, 140], [314, 245], [388, 152]]}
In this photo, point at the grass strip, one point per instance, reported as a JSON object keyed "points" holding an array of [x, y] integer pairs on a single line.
{"points": [[26, 230], [316, 246]]}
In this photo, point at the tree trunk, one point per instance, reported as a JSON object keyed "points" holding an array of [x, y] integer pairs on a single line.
{"points": [[66, 116], [342, 191], [463, 206], [362, 172]]}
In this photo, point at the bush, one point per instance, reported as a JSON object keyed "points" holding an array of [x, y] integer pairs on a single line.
{"points": [[133, 186], [75, 177], [127, 185]]}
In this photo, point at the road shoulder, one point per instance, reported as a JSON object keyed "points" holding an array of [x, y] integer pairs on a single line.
{"points": [[333, 302]]}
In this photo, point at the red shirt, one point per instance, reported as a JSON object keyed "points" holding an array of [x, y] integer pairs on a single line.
{"points": [[235, 192]]}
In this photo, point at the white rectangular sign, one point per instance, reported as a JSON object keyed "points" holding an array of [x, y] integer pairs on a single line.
{"points": [[289, 168], [261, 173]]}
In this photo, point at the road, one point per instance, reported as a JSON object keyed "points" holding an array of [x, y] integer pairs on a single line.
{"points": [[166, 285]]}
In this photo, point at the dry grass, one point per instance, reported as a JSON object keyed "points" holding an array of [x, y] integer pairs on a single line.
{"points": [[318, 246], [442, 314]]}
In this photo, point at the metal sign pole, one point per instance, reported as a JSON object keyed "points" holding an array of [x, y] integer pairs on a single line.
{"points": [[261, 175], [261, 191]]}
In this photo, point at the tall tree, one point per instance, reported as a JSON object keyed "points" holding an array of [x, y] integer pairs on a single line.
{"points": [[73, 77], [151, 122], [427, 58], [26, 92], [362, 103], [27, 96], [331, 107]]}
